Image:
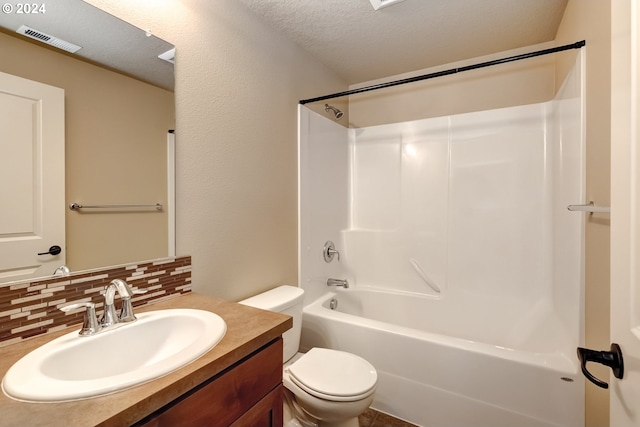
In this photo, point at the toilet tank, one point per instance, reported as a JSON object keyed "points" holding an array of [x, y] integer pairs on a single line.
{"points": [[286, 300]]}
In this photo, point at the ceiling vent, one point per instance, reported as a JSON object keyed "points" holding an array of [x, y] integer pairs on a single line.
{"points": [[169, 56], [379, 4], [47, 39]]}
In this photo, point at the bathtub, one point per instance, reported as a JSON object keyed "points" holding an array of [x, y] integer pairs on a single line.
{"points": [[434, 373]]}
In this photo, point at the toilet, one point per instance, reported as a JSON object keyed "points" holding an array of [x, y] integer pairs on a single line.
{"points": [[331, 387]]}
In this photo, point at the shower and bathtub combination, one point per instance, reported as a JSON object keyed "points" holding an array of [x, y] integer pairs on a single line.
{"points": [[464, 265]]}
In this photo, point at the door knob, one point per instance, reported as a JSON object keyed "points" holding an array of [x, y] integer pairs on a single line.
{"points": [[53, 250], [612, 359]]}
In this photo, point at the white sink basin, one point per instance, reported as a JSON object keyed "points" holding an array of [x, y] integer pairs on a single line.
{"points": [[72, 367]]}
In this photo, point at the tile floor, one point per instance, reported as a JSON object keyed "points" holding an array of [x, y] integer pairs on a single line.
{"points": [[372, 418]]}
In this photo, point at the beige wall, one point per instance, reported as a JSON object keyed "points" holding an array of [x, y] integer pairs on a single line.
{"points": [[591, 20], [505, 85], [237, 87], [115, 152]]}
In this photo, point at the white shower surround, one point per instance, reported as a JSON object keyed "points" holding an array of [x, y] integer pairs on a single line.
{"points": [[478, 202]]}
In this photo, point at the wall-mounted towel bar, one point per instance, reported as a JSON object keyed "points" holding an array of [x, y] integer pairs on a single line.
{"points": [[77, 206], [590, 207]]}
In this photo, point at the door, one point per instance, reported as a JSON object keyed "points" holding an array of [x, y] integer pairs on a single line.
{"points": [[32, 205], [625, 211]]}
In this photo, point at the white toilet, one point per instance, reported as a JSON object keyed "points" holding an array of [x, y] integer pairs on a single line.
{"points": [[331, 386]]}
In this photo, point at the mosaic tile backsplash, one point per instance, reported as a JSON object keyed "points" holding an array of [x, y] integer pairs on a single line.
{"points": [[31, 308]]}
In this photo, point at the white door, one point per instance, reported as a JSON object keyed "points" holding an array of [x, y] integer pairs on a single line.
{"points": [[32, 205], [625, 211]]}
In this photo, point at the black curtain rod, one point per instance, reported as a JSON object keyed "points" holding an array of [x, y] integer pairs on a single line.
{"points": [[576, 45]]}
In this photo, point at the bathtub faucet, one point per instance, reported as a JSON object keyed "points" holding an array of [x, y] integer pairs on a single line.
{"points": [[338, 282]]}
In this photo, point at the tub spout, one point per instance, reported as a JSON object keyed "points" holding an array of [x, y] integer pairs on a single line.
{"points": [[338, 282]]}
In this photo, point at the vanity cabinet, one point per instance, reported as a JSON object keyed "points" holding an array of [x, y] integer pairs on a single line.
{"points": [[249, 393]]}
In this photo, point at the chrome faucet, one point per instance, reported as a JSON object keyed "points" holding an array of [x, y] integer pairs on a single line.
{"points": [[110, 317], [63, 270], [126, 311], [338, 282]]}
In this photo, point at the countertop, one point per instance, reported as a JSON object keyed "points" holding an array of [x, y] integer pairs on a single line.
{"points": [[248, 329]]}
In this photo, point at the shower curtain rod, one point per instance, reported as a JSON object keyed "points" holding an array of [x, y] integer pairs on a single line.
{"points": [[576, 45]]}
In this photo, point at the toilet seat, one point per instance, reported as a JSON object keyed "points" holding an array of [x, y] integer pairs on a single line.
{"points": [[333, 375]]}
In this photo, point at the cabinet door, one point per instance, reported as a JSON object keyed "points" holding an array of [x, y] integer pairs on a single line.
{"points": [[230, 395], [266, 413]]}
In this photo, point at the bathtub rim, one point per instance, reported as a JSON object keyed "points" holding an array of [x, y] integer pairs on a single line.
{"points": [[556, 362]]}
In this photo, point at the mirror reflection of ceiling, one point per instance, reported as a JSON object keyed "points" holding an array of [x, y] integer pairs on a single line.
{"points": [[104, 39]]}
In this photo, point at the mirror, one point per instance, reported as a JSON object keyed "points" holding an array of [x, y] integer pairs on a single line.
{"points": [[119, 109]]}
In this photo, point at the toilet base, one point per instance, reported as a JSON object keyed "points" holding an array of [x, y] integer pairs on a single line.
{"points": [[350, 422], [295, 416], [323, 413], [290, 420]]}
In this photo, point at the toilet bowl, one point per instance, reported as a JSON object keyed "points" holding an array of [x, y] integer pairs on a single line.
{"points": [[332, 387]]}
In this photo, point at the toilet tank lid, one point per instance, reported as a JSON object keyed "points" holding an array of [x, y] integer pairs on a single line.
{"points": [[277, 299]]}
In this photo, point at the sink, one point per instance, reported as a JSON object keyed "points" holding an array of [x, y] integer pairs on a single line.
{"points": [[72, 367]]}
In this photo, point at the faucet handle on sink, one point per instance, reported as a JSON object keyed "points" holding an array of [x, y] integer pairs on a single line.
{"points": [[90, 324]]}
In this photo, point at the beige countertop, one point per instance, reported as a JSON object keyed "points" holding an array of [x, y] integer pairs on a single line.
{"points": [[248, 329]]}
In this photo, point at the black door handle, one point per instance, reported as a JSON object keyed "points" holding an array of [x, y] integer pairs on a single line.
{"points": [[612, 359], [53, 250]]}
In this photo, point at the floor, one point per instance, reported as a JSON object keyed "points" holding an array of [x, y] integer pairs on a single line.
{"points": [[372, 418]]}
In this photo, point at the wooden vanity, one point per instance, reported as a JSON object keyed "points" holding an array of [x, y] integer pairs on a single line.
{"points": [[247, 394], [237, 383]]}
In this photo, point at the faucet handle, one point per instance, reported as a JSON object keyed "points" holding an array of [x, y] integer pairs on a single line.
{"points": [[329, 251], [90, 324]]}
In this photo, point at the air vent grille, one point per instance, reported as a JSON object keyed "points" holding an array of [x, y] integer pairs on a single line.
{"points": [[48, 39]]}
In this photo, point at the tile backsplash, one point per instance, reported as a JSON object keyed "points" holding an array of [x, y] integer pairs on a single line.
{"points": [[31, 308]]}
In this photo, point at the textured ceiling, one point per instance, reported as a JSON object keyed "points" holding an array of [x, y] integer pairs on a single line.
{"points": [[349, 36], [361, 44]]}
